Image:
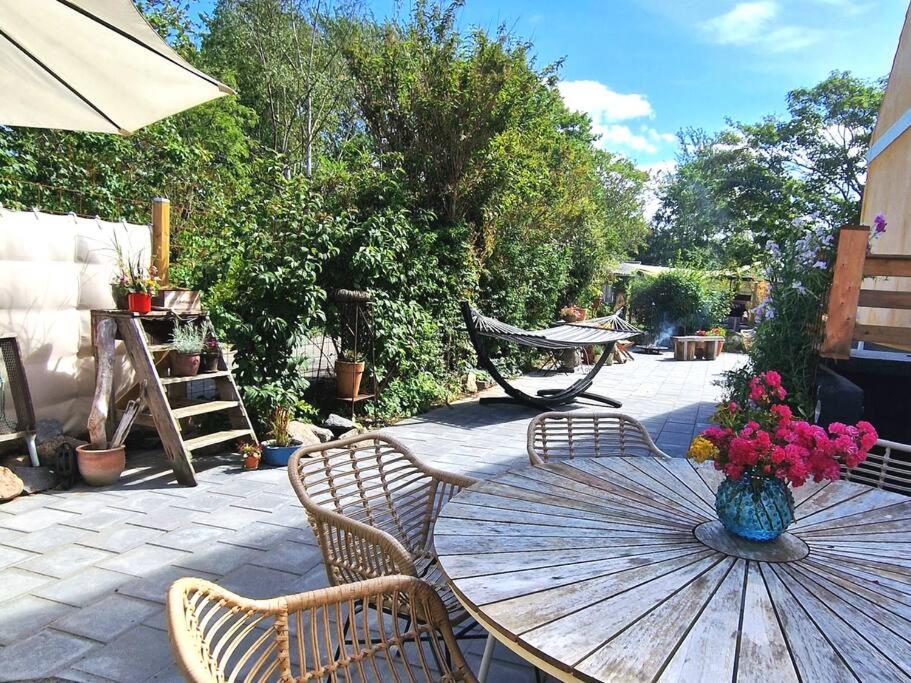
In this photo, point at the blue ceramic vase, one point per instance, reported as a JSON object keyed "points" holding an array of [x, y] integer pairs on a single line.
{"points": [[755, 508]]}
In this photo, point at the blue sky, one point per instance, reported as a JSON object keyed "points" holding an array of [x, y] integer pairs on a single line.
{"points": [[644, 69]]}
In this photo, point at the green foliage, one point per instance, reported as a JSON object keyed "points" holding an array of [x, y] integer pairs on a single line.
{"points": [[407, 158], [788, 319], [678, 298], [188, 338]]}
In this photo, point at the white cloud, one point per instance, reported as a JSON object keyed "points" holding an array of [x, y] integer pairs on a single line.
{"points": [[595, 98], [606, 108], [754, 24]]}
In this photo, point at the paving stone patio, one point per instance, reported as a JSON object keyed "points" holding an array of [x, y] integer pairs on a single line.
{"points": [[83, 573]]}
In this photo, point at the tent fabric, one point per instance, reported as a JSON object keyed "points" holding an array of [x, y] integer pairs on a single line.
{"points": [[91, 65], [604, 330], [54, 269]]}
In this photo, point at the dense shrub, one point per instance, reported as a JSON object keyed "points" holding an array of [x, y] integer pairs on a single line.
{"points": [[674, 299]]}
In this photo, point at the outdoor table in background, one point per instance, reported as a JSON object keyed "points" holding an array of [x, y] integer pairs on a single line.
{"points": [[685, 348], [593, 569]]}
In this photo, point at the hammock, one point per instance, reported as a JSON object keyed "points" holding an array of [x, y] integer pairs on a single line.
{"points": [[606, 332]]}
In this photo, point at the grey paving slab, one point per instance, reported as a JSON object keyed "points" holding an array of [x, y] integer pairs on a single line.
{"points": [[15, 581], [11, 556], [143, 560], [25, 615], [108, 618], [259, 582], [65, 561], [154, 587], [37, 518], [189, 538], [121, 538], [88, 586], [219, 558], [289, 556], [103, 518], [262, 536], [137, 655], [45, 540], [41, 655]]}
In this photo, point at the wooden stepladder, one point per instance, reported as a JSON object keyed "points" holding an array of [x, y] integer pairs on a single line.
{"points": [[167, 407]]}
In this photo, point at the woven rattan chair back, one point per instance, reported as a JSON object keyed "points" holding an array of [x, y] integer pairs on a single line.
{"points": [[887, 466], [563, 436], [344, 633], [370, 490]]}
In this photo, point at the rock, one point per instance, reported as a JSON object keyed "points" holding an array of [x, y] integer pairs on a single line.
{"points": [[10, 485], [484, 384], [35, 479], [348, 434], [303, 432], [338, 424], [322, 433], [471, 383], [48, 429], [47, 450]]}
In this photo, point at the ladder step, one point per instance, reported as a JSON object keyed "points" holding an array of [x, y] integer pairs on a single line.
{"points": [[203, 407], [217, 437], [194, 378], [158, 348]]}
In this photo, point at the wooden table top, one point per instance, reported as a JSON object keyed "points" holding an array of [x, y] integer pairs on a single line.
{"points": [[592, 569]]}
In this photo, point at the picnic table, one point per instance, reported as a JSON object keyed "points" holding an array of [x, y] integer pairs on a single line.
{"points": [[686, 347], [608, 569]]}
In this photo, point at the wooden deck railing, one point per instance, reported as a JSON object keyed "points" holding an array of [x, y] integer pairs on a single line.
{"points": [[852, 265]]}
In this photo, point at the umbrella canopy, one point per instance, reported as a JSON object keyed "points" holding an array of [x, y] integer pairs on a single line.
{"points": [[91, 65]]}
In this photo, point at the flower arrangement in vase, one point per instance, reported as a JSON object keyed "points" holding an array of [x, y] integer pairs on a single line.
{"points": [[762, 451], [136, 284]]}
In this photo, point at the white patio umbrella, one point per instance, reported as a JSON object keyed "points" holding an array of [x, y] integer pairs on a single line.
{"points": [[91, 65]]}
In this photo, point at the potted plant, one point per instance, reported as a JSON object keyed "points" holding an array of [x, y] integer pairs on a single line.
{"points": [[211, 353], [278, 449], [135, 282], [349, 369], [100, 466], [252, 453], [187, 343], [572, 314], [762, 450]]}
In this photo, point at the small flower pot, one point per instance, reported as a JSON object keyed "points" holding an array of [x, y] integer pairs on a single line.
{"points": [[348, 378], [251, 462], [121, 300], [278, 456], [210, 362], [139, 302], [184, 364], [100, 467]]}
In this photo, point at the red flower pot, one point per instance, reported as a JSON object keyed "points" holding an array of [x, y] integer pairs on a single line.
{"points": [[139, 302]]}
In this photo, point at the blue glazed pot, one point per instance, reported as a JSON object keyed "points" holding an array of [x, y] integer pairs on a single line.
{"points": [[278, 455], [755, 508]]}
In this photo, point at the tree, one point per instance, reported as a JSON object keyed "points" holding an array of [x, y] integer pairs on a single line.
{"points": [[736, 190], [284, 57]]}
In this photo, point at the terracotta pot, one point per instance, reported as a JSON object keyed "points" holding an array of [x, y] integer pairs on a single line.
{"points": [[210, 362], [251, 462], [100, 467], [184, 364], [348, 378], [139, 302]]}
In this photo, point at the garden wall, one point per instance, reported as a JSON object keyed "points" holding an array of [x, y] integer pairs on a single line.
{"points": [[54, 269]]}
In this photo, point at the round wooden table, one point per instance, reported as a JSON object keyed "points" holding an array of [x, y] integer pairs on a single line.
{"points": [[593, 569]]}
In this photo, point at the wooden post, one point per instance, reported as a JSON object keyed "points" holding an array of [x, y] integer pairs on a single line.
{"points": [[161, 237], [848, 273]]}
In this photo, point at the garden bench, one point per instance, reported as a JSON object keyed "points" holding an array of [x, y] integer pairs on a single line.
{"points": [[685, 347]]}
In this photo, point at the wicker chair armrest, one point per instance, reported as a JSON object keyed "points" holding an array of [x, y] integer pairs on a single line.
{"points": [[359, 551]]}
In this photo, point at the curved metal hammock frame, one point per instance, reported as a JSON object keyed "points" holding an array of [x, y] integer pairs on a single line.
{"points": [[606, 332]]}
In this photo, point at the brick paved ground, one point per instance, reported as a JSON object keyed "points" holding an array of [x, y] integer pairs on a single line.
{"points": [[83, 573]]}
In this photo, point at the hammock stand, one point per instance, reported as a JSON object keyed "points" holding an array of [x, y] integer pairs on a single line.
{"points": [[606, 331]]}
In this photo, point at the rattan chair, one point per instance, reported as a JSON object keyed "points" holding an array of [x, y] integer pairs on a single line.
{"points": [[372, 506], [217, 636], [887, 466], [564, 436]]}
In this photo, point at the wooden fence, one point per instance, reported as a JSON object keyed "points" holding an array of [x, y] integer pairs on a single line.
{"points": [[852, 265]]}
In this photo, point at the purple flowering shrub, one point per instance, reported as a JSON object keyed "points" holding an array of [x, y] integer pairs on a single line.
{"points": [[798, 272]]}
